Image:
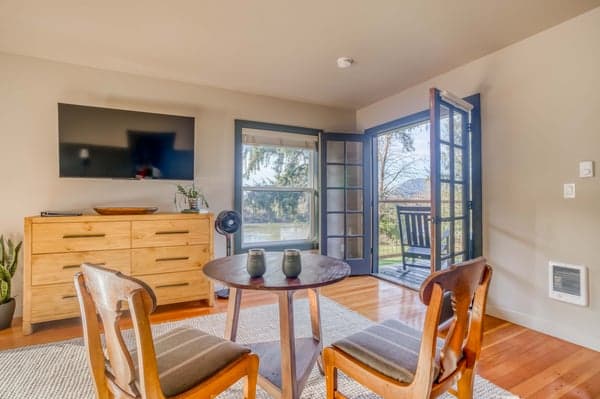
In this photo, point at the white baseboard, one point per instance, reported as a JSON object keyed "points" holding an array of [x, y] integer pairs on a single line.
{"points": [[587, 338]]}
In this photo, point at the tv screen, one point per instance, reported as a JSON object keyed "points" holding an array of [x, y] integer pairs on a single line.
{"points": [[112, 143]]}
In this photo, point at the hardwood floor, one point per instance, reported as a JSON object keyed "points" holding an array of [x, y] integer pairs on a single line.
{"points": [[525, 362]]}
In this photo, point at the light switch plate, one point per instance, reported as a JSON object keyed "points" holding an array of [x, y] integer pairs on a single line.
{"points": [[569, 190], [586, 169]]}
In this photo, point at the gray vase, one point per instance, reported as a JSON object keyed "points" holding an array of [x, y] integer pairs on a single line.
{"points": [[7, 310], [292, 263], [256, 265]]}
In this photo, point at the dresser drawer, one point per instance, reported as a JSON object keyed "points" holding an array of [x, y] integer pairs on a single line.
{"points": [[54, 302], [60, 268], [84, 236], [168, 259], [164, 233], [178, 287]]}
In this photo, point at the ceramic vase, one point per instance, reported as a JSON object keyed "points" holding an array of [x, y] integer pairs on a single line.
{"points": [[291, 263], [256, 265]]}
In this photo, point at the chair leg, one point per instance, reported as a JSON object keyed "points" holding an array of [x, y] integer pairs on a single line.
{"points": [[465, 384], [252, 378], [330, 373]]}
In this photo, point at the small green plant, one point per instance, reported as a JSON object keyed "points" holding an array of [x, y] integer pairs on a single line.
{"points": [[192, 193], [9, 260]]}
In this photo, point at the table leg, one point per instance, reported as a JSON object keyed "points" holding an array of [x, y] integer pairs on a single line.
{"points": [[315, 321], [289, 386], [233, 313]]}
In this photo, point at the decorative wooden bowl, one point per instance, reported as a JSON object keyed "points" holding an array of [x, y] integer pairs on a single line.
{"points": [[130, 210]]}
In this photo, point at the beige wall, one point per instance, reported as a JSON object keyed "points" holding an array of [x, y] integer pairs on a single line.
{"points": [[540, 117], [29, 91]]}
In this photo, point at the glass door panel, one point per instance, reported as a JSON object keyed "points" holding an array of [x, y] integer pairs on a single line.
{"points": [[346, 206], [449, 181]]}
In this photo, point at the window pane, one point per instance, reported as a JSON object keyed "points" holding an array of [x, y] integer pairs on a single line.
{"points": [[354, 200], [354, 176], [276, 216], [458, 163], [445, 238], [355, 248], [335, 248], [444, 161], [458, 200], [444, 123], [335, 200], [354, 152], [445, 200], [335, 175], [459, 229], [265, 166], [335, 224], [354, 223], [335, 151], [458, 128]]}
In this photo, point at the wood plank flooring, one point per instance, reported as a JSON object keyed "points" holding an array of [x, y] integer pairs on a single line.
{"points": [[525, 362]]}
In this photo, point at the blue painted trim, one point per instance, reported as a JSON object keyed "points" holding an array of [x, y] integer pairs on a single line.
{"points": [[237, 199], [398, 123]]}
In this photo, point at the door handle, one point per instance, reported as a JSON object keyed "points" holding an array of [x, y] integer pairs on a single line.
{"points": [[173, 285], [69, 296], [65, 267], [99, 235], [172, 232], [171, 259]]}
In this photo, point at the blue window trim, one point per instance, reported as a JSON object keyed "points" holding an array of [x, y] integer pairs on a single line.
{"points": [[241, 124], [398, 123]]}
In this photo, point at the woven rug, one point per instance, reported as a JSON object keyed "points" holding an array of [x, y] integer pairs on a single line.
{"points": [[60, 370]]}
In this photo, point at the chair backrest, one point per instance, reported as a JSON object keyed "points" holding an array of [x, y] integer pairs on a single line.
{"points": [[103, 292], [467, 283], [413, 222]]}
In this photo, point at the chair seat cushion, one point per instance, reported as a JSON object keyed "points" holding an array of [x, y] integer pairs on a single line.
{"points": [[391, 348], [187, 356]]}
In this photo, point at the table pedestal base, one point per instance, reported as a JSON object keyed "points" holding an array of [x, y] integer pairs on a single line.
{"points": [[284, 365]]}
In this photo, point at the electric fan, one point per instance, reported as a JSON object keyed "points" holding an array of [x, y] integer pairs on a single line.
{"points": [[227, 223]]}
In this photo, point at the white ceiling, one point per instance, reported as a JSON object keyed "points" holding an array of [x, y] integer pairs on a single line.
{"points": [[281, 48]]}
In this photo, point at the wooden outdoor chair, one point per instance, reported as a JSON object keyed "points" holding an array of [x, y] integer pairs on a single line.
{"points": [[413, 222], [398, 362], [183, 363]]}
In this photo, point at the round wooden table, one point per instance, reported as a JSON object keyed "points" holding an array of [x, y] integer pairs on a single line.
{"points": [[286, 364]]}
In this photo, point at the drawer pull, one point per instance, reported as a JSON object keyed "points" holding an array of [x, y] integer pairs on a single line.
{"points": [[69, 296], [172, 232], [173, 285], [171, 259], [65, 267], [99, 235]]}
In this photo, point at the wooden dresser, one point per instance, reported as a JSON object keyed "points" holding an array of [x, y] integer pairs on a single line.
{"points": [[167, 251]]}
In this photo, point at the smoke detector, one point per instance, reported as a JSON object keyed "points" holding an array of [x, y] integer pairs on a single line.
{"points": [[344, 62]]}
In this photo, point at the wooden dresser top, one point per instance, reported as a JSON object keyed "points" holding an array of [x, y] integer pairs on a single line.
{"points": [[117, 218]]}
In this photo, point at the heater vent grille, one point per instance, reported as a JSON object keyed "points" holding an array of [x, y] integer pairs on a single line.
{"points": [[568, 283]]}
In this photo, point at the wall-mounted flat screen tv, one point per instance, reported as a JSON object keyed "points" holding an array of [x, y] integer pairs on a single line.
{"points": [[119, 144]]}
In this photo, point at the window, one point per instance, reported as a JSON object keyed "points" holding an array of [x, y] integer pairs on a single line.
{"points": [[276, 186]]}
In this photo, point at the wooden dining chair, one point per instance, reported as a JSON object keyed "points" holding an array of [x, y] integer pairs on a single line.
{"points": [[183, 363], [398, 362]]}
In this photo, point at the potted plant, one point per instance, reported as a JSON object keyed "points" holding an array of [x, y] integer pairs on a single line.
{"points": [[194, 197], [9, 260]]}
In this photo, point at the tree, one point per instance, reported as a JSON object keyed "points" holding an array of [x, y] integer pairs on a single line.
{"points": [[270, 166]]}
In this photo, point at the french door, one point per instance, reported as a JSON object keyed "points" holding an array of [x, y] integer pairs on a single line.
{"points": [[346, 199], [455, 181]]}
